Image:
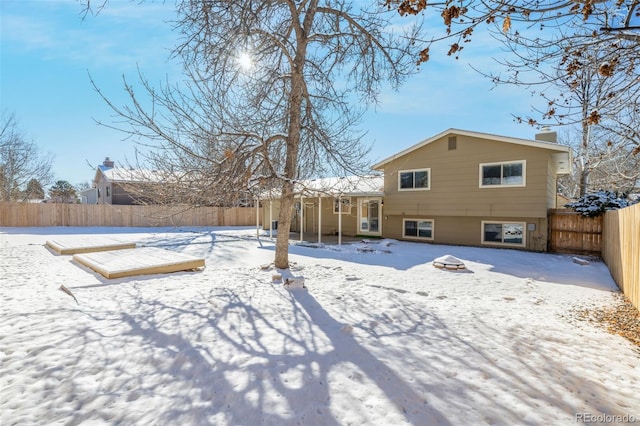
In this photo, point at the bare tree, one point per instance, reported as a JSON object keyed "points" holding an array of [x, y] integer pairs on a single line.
{"points": [[20, 161], [272, 94], [605, 163], [596, 91], [562, 42], [585, 22]]}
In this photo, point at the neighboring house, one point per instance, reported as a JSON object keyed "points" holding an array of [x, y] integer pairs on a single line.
{"points": [[332, 206], [458, 187], [128, 186], [123, 186], [89, 196], [469, 188]]}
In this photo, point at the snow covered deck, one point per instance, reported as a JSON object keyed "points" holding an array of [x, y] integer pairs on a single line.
{"points": [[75, 245], [140, 261]]}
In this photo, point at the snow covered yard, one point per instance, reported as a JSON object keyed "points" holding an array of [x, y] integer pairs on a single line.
{"points": [[379, 337]]}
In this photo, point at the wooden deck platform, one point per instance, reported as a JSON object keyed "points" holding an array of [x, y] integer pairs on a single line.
{"points": [[90, 244], [139, 261]]}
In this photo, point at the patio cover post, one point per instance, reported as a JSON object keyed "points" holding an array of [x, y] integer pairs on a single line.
{"points": [[257, 217], [271, 218], [319, 219], [340, 220], [301, 218]]}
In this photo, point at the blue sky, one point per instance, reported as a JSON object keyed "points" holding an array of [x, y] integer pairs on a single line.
{"points": [[47, 53]]}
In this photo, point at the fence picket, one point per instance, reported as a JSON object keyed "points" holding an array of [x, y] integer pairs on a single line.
{"points": [[56, 214], [570, 232], [621, 250]]}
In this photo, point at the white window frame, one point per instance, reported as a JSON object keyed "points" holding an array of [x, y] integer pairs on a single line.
{"points": [[367, 201], [428, 187], [418, 237], [502, 184], [502, 243], [346, 205]]}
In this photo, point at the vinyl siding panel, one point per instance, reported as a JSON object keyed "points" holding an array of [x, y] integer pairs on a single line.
{"points": [[552, 187], [120, 196], [455, 181]]}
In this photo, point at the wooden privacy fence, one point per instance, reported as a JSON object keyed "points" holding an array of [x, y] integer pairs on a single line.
{"points": [[621, 250], [570, 232], [53, 214]]}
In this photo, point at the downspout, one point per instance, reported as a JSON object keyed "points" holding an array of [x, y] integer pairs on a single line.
{"points": [[271, 218], [301, 218], [257, 217]]}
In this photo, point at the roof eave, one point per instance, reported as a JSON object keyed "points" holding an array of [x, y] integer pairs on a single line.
{"points": [[534, 143]]}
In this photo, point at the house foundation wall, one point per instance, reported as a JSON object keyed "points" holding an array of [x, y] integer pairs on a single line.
{"points": [[468, 231]]}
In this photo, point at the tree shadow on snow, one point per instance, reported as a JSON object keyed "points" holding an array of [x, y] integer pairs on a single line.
{"points": [[232, 357]]}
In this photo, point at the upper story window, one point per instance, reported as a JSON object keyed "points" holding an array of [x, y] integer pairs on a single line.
{"points": [[510, 173], [409, 180]]}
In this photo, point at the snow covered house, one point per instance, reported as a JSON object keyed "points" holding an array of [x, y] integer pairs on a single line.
{"points": [[124, 186], [469, 188]]}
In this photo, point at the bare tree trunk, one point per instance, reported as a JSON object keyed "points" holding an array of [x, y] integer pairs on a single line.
{"points": [[284, 226], [293, 146], [584, 154], [584, 181]]}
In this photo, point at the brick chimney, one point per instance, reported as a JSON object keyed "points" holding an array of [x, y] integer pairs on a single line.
{"points": [[107, 162], [547, 135]]}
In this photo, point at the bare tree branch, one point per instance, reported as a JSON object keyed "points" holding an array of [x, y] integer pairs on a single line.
{"points": [[20, 161], [292, 115]]}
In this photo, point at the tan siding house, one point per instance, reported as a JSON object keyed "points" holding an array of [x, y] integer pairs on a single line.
{"points": [[470, 188]]}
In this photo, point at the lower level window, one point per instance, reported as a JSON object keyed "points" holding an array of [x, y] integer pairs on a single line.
{"points": [[508, 233], [417, 228]]}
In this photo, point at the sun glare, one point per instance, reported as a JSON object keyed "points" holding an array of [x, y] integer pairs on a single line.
{"points": [[245, 61]]}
